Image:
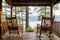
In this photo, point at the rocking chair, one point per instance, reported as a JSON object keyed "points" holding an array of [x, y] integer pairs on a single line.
{"points": [[46, 25], [12, 24]]}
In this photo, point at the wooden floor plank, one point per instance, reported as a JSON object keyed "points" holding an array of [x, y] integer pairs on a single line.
{"points": [[27, 36]]}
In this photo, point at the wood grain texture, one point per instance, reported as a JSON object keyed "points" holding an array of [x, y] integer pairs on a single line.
{"points": [[0, 16]]}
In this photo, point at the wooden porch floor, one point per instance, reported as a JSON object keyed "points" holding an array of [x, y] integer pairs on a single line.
{"points": [[27, 36]]}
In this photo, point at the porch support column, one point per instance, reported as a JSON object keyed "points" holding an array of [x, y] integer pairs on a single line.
{"points": [[51, 31], [11, 9], [27, 18], [51, 13], [0, 18]]}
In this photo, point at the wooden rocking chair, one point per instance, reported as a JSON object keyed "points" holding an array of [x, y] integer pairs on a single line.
{"points": [[12, 24], [46, 25]]}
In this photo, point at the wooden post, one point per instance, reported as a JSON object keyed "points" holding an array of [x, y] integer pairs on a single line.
{"points": [[45, 11], [11, 15], [11, 9], [0, 18], [51, 30], [51, 13]]}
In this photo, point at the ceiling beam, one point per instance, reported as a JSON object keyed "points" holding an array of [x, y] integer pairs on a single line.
{"points": [[31, 2]]}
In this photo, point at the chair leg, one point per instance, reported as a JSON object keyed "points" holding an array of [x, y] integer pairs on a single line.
{"points": [[40, 32], [40, 36], [9, 32], [50, 33], [18, 32]]}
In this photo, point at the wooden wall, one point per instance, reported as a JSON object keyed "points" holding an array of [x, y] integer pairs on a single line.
{"points": [[57, 27], [0, 17], [4, 27]]}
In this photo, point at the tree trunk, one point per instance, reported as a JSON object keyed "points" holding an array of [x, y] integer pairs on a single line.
{"points": [[27, 18], [16, 16]]}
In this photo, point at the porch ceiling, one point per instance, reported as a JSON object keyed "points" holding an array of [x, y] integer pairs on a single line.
{"points": [[31, 2]]}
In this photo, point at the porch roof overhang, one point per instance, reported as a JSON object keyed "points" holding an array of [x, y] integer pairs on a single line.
{"points": [[32, 2]]}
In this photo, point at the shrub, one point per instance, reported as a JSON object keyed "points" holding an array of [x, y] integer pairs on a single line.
{"points": [[30, 29]]}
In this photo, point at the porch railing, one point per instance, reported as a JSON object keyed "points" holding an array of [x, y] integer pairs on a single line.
{"points": [[57, 28]]}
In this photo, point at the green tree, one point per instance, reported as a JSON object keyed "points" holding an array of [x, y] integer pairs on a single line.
{"points": [[43, 11], [21, 9]]}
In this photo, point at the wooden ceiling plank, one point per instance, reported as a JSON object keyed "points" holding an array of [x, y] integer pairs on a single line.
{"points": [[30, 2]]}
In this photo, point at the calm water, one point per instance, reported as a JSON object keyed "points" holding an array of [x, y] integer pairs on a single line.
{"points": [[57, 18], [33, 21]]}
